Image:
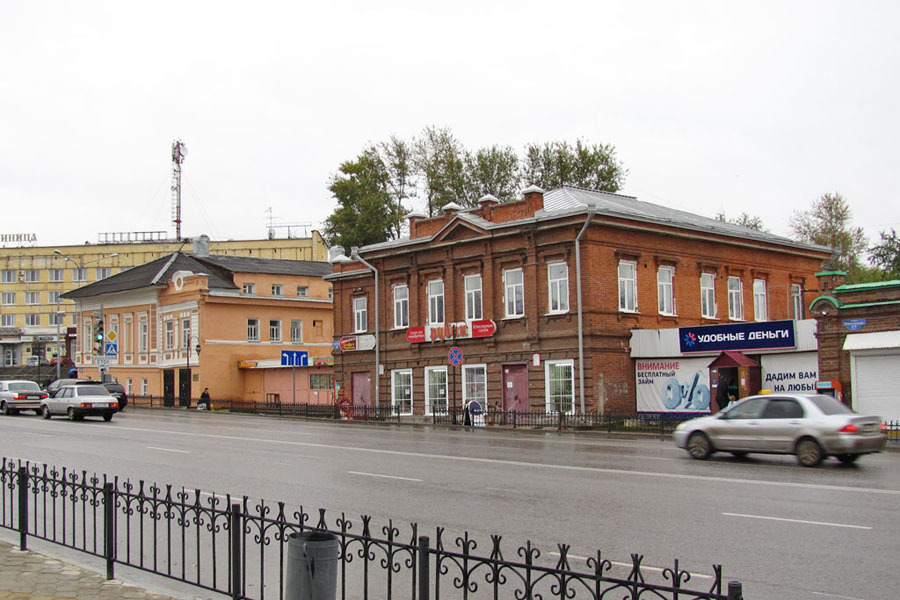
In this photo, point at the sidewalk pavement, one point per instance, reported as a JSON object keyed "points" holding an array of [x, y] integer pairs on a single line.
{"points": [[31, 576]]}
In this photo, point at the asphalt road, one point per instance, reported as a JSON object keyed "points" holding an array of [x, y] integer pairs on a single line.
{"points": [[784, 531]]}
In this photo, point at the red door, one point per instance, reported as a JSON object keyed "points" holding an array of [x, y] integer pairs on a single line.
{"points": [[362, 389], [515, 388]]}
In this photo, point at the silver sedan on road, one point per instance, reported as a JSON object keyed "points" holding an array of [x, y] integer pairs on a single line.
{"points": [[812, 427], [79, 401]]}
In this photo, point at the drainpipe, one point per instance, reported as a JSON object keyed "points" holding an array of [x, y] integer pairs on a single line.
{"points": [[354, 252], [587, 222]]}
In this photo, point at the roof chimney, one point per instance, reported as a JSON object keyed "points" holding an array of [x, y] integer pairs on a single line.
{"points": [[201, 246], [828, 280], [451, 207], [414, 217], [487, 202], [534, 199]]}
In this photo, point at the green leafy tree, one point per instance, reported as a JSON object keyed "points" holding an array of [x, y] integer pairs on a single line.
{"points": [[366, 212], [554, 164], [827, 223], [885, 255], [440, 161], [398, 160], [744, 220], [495, 171]]}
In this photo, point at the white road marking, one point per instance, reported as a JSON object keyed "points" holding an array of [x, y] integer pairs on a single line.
{"points": [[37, 434], [836, 596], [629, 565], [168, 449], [801, 521], [384, 476], [504, 490]]}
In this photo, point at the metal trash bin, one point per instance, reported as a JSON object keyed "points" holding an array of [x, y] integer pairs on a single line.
{"points": [[312, 561]]}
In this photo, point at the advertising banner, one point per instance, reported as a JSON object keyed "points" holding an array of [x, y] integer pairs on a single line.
{"points": [[795, 372], [765, 335], [673, 384]]}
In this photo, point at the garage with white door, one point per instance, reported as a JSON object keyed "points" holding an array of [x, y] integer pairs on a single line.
{"points": [[875, 373]]}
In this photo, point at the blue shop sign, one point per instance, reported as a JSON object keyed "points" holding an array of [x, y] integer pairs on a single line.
{"points": [[765, 335]]}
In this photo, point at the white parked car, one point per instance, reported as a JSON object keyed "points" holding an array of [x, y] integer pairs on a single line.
{"points": [[19, 395], [79, 401]]}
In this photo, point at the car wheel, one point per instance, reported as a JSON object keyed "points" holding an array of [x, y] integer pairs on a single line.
{"points": [[847, 459], [5, 409], [699, 446], [46, 412], [107, 417], [71, 414], [809, 452]]}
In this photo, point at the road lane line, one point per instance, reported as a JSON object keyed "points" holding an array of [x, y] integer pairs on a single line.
{"points": [[630, 565], [384, 476], [801, 521], [167, 450], [835, 596], [37, 434], [520, 463]]}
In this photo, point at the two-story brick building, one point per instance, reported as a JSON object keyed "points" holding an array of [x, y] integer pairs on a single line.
{"points": [[542, 295]]}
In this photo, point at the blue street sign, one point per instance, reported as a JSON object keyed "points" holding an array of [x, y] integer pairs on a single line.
{"points": [[111, 349], [294, 358], [455, 356]]}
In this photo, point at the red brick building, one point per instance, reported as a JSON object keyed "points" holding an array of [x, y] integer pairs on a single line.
{"points": [[541, 297], [859, 342]]}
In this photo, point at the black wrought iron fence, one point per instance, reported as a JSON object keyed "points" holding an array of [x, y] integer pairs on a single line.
{"points": [[237, 547]]}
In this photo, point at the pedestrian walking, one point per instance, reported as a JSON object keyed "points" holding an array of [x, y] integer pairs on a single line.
{"points": [[204, 403]]}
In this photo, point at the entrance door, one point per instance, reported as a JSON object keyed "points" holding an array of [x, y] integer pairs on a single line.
{"points": [[184, 387], [169, 387], [515, 388], [362, 389]]}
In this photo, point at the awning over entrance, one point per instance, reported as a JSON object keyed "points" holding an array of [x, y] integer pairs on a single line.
{"points": [[732, 358], [875, 340]]}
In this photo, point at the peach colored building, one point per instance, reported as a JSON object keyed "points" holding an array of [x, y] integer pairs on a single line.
{"points": [[184, 322]]}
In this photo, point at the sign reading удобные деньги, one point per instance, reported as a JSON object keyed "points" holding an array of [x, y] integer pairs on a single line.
{"points": [[764, 335]]}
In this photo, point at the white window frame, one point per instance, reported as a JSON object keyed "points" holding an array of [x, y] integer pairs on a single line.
{"points": [[275, 330], [57, 318], [550, 395], [303, 291], [79, 274], [32, 298], [760, 300], [401, 306], [9, 275], [170, 334], [628, 298], [8, 298], [665, 290], [248, 289], [103, 272], [360, 314], [57, 275], [8, 321], [54, 298], [514, 293], [735, 298], [144, 386], [296, 331], [32, 276], [128, 386], [143, 333], [32, 320], [435, 291], [126, 337], [252, 329], [278, 289], [474, 304], [476, 393], [797, 300], [402, 377], [708, 308], [433, 399], [557, 288]]}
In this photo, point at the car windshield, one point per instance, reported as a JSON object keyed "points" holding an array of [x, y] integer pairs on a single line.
{"points": [[830, 406], [24, 386], [115, 387], [91, 390]]}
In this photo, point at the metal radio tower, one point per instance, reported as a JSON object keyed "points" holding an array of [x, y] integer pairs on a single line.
{"points": [[179, 151]]}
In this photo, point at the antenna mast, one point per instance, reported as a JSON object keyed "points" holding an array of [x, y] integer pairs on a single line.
{"points": [[179, 151]]}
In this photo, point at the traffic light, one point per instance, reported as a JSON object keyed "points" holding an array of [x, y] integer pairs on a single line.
{"points": [[98, 337]]}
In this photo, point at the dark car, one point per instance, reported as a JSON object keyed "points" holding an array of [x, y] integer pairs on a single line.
{"points": [[54, 386], [117, 390]]}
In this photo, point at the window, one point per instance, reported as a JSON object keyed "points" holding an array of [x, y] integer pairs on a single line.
{"points": [[797, 301], [274, 330], [321, 381], [360, 315], [103, 273], [56, 275], [401, 391], [278, 289], [474, 384], [248, 289], [514, 292], [735, 299], [436, 390], [32, 320], [559, 381], [56, 319], [783, 408], [708, 295], [125, 340], [628, 286], [32, 276], [143, 338], [296, 331], [170, 334], [558, 287], [53, 297], [473, 297], [665, 290], [252, 330], [9, 276], [79, 275], [128, 386], [401, 306], [436, 301], [32, 297], [330, 293], [8, 321], [186, 333], [303, 291], [143, 387], [8, 298], [760, 311]]}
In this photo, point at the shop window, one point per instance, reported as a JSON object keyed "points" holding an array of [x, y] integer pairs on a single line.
{"points": [[559, 382], [401, 391], [436, 390]]}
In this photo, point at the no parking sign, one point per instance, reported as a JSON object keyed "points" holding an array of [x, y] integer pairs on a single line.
{"points": [[455, 356]]}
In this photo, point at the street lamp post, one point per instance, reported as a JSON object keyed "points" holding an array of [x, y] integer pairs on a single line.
{"points": [[187, 352], [58, 353]]}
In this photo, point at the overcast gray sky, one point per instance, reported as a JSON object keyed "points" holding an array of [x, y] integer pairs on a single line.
{"points": [[711, 106]]}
